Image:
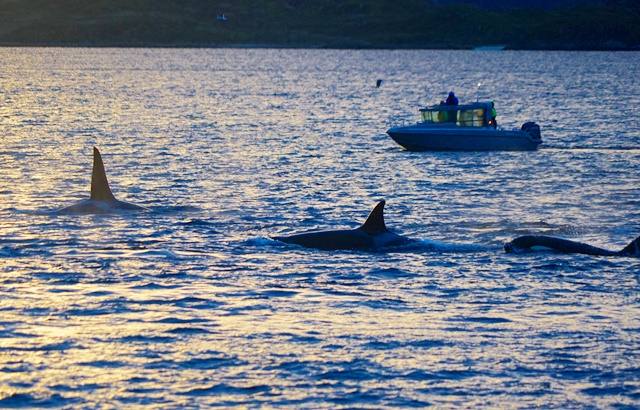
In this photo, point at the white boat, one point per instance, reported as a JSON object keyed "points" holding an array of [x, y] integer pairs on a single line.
{"points": [[468, 127]]}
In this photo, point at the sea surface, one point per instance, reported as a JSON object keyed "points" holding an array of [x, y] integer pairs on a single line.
{"points": [[192, 304]]}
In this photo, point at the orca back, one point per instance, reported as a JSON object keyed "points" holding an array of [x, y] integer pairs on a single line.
{"points": [[102, 200], [373, 234], [533, 242]]}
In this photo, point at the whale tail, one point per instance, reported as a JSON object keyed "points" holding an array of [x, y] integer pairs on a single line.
{"points": [[375, 221], [633, 249], [100, 190]]}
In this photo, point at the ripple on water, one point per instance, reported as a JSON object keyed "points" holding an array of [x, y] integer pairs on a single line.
{"points": [[226, 389], [191, 304], [26, 400]]}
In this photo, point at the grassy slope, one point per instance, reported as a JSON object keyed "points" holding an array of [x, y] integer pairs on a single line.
{"points": [[319, 23]]}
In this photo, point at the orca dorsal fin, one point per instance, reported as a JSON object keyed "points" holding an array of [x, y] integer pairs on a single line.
{"points": [[375, 221], [100, 190], [633, 249]]}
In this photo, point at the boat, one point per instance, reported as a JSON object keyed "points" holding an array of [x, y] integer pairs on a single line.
{"points": [[465, 127]]}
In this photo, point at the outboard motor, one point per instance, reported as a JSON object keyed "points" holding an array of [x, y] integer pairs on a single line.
{"points": [[532, 129]]}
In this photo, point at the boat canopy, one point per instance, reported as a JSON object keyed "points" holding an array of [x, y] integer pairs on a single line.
{"points": [[465, 115]]}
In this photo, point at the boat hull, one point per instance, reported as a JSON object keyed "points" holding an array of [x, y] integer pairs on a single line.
{"points": [[416, 138]]}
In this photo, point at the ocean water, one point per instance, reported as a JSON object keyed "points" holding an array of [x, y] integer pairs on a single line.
{"points": [[191, 304]]}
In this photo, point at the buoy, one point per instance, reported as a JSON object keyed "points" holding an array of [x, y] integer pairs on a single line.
{"points": [[378, 83]]}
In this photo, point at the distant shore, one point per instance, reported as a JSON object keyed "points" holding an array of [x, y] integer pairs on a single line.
{"points": [[318, 24], [293, 47]]}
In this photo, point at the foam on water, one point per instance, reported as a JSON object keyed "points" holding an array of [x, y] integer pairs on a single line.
{"points": [[191, 304]]}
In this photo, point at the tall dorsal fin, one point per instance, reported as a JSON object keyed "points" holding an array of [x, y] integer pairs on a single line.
{"points": [[100, 190], [375, 221]]}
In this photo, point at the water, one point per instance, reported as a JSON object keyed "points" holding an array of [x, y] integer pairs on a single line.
{"points": [[192, 304]]}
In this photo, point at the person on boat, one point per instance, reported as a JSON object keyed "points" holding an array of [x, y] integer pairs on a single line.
{"points": [[493, 114], [451, 99]]}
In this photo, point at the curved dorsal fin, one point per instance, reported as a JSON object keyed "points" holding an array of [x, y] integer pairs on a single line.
{"points": [[100, 190], [375, 221]]}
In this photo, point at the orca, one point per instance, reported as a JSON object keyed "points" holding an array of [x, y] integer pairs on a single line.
{"points": [[533, 243], [101, 200], [372, 235]]}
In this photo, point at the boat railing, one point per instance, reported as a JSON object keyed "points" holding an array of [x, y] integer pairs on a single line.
{"points": [[404, 122]]}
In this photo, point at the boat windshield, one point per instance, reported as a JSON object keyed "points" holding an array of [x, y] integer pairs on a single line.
{"points": [[471, 118], [438, 116], [461, 116]]}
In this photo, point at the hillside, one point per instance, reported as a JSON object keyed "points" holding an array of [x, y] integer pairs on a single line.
{"points": [[318, 23]]}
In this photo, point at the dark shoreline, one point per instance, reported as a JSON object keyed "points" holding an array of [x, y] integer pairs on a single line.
{"points": [[596, 25], [292, 47]]}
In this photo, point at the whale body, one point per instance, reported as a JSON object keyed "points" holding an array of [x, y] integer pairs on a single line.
{"points": [[101, 200], [541, 242], [372, 235]]}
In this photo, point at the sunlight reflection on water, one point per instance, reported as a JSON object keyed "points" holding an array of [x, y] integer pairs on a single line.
{"points": [[191, 303]]}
